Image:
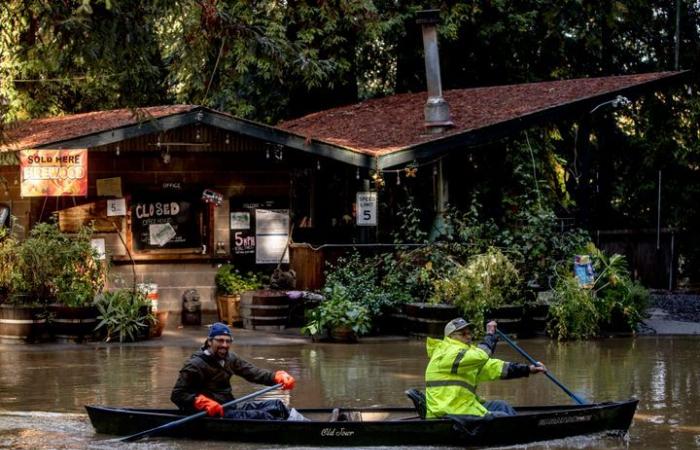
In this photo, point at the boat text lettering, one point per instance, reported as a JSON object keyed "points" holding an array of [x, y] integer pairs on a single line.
{"points": [[336, 432]]}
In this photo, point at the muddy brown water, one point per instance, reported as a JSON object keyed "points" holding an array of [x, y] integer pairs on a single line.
{"points": [[43, 388]]}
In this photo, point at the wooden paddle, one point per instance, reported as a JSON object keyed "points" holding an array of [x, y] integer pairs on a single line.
{"points": [[576, 398], [179, 422]]}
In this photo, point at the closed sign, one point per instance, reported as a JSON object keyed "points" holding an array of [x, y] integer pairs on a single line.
{"points": [[367, 209]]}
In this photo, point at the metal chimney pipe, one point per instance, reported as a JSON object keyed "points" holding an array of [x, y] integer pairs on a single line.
{"points": [[436, 111]]}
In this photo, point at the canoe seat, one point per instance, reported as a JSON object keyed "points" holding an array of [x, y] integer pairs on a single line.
{"points": [[418, 399]]}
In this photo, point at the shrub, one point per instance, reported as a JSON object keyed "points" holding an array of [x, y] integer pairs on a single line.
{"points": [[487, 281], [580, 313], [124, 314], [337, 310], [229, 281]]}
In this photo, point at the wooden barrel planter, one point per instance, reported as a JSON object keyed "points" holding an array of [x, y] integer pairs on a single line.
{"points": [[72, 324], [228, 307], [425, 319], [535, 319], [509, 318], [265, 309], [22, 324]]}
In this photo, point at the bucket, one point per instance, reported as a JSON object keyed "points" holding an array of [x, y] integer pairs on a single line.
{"points": [[265, 309], [22, 324], [150, 290]]}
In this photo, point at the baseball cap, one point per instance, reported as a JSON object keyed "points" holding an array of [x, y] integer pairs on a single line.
{"points": [[219, 329], [455, 325]]}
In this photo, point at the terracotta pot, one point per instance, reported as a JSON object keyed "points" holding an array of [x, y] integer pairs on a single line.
{"points": [[157, 328]]}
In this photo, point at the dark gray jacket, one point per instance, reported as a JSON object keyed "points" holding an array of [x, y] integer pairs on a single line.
{"points": [[203, 374]]}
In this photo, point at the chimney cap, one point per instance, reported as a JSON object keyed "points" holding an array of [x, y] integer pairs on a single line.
{"points": [[428, 16]]}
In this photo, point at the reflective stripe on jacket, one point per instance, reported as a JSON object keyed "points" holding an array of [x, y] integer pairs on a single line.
{"points": [[453, 373]]}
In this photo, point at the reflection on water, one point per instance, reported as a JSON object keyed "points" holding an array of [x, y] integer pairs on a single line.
{"points": [[42, 393]]}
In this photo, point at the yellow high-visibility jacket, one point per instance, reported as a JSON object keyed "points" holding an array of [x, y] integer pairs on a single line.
{"points": [[453, 373]]}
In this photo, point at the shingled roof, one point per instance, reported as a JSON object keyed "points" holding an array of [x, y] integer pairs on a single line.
{"points": [[385, 126], [379, 133], [40, 132]]}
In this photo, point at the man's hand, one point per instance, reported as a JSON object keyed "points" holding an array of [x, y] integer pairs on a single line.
{"points": [[286, 379], [539, 368], [491, 327], [212, 407]]}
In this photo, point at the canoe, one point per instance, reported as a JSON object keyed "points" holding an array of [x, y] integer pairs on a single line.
{"points": [[346, 427]]}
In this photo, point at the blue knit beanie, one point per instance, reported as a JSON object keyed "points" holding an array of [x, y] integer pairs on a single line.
{"points": [[218, 329]]}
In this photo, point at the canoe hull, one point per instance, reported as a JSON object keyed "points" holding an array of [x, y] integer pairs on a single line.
{"points": [[530, 425]]}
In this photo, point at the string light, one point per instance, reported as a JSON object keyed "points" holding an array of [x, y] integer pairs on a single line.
{"points": [[267, 153], [398, 178], [357, 174], [227, 139], [318, 164], [117, 151]]}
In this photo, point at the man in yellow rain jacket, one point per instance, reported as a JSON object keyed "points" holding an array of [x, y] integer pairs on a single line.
{"points": [[457, 366]]}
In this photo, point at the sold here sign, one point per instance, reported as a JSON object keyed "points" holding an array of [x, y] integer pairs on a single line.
{"points": [[53, 173]]}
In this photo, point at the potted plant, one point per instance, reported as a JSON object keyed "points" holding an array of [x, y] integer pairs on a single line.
{"points": [[483, 289], [125, 315], [339, 317], [230, 283], [21, 318], [73, 315]]}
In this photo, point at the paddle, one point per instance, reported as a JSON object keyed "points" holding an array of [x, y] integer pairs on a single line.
{"points": [[576, 398], [179, 422]]}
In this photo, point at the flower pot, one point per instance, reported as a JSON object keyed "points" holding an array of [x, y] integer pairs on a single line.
{"points": [[156, 330], [72, 323], [22, 324], [228, 307]]}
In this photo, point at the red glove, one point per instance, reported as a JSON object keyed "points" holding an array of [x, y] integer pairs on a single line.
{"points": [[286, 379], [212, 407]]}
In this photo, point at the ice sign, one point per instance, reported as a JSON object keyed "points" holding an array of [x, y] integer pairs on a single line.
{"points": [[367, 209]]}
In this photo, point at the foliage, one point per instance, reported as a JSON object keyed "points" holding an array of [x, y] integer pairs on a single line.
{"points": [[54, 266], [83, 274], [573, 311], [581, 313], [338, 310], [9, 249], [358, 279], [124, 314], [486, 282], [229, 281]]}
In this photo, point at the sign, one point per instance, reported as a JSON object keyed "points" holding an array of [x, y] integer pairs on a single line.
{"points": [[116, 207], [271, 235], [98, 244], [366, 209], [53, 173], [167, 221], [212, 197], [583, 269], [109, 187]]}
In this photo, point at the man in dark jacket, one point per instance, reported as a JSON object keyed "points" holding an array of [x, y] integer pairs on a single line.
{"points": [[204, 383]]}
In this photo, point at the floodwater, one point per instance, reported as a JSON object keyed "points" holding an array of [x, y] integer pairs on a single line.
{"points": [[43, 388]]}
